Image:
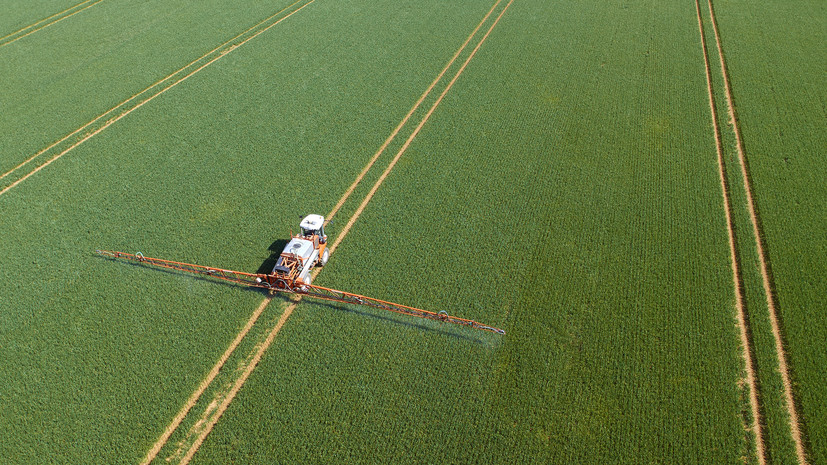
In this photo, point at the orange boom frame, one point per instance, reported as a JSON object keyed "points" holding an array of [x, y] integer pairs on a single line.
{"points": [[287, 283]]}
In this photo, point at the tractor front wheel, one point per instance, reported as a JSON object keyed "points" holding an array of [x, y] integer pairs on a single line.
{"points": [[325, 257]]}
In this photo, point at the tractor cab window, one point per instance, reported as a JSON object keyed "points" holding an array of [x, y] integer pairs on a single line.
{"points": [[308, 232]]}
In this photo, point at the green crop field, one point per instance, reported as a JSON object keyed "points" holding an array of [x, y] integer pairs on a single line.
{"points": [[545, 167], [20, 18]]}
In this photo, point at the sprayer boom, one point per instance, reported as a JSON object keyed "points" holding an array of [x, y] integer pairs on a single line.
{"points": [[289, 281]]}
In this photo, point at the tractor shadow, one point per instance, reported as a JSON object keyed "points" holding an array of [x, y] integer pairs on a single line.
{"points": [[275, 250]]}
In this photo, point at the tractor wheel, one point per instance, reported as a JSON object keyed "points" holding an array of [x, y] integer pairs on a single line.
{"points": [[325, 257], [306, 282]]}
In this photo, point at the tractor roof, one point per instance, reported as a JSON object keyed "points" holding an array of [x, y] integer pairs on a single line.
{"points": [[312, 222]]}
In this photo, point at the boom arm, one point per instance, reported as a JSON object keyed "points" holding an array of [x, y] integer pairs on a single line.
{"points": [[239, 277], [317, 292]]}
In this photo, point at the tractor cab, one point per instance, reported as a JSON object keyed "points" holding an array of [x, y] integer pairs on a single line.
{"points": [[313, 225]]}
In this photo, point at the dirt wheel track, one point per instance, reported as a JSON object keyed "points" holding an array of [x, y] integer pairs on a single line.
{"points": [[783, 367], [410, 113], [123, 109], [205, 383], [741, 315], [44, 26]]}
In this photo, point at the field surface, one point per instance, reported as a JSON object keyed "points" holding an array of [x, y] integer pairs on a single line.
{"points": [[20, 18], [776, 64], [567, 171]]}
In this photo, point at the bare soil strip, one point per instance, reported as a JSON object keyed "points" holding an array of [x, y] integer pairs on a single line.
{"points": [[222, 407], [44, 26], [239, 382], [795, 429], [162, 440], [414, 134], [204, 384], [125, 104], [746, 344], [410, 113], [143, 102], [37, 23]]}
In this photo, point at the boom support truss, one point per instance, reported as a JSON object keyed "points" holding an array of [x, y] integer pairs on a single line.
{"points": [[276, 283]]}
